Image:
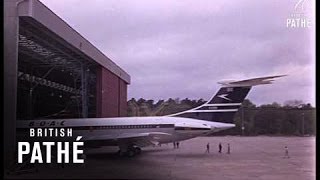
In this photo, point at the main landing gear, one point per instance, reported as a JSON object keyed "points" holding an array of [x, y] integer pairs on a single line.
{"points": [[130, 151]]}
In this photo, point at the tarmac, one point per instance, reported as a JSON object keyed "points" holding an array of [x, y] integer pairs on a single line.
{"points": [[258, 158]]}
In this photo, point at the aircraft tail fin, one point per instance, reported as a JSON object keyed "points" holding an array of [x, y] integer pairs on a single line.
{"points": [[225, 103]]}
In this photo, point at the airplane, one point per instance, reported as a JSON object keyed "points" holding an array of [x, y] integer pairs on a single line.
{"points": [[130, 134]]}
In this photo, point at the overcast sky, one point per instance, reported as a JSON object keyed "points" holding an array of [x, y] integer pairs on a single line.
{"points": [[181, 49]]}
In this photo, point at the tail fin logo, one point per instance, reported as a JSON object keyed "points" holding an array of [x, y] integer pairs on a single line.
{"points": [[299, 5], [223, 96]]}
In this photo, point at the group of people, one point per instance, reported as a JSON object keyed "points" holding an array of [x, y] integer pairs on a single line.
{"points": [[286, 155], [176, 145], [220, 148]]}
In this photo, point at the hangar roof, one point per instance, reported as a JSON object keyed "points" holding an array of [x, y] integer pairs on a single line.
{"points": [[38, 18]]}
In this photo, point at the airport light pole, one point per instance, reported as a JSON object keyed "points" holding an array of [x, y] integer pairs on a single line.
{"points": [[302, 123]]}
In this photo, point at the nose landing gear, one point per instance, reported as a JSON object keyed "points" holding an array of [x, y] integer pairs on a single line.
{"points": [[130, 151]]}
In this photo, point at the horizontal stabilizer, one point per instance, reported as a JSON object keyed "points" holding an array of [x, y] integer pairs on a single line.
{"points": [[250, 82]]}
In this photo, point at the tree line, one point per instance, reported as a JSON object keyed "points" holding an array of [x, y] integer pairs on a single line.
{"points": [[293, 117]]}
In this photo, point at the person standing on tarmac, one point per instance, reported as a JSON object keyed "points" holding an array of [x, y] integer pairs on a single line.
{"points": [[220, 147], [228, 148], [286, 152], [208, 148]]}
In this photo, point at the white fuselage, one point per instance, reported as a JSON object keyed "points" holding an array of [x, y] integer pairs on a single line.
{"points": [[178, 128]]}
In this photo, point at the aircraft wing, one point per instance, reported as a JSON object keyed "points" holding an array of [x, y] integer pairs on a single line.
{"points": [[139, 139]]}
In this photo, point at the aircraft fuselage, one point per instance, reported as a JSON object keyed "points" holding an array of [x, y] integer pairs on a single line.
{"points": [[179, 128]]}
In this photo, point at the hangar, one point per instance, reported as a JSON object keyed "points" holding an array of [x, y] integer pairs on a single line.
{"points": [[51, 71]]}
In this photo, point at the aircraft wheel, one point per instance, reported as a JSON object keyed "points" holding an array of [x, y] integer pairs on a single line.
{"points": [[121, 153], [137, 150], [131, 153]]}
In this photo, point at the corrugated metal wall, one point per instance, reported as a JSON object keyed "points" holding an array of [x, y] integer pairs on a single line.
{"points": [[111, 94]]}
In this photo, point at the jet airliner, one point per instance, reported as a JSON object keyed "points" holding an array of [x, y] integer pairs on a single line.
{"points": [[130, 134]]}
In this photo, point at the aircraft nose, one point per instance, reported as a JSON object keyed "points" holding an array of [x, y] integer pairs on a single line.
{"points": [[232, 125], [228, 126], [221, 127]]}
